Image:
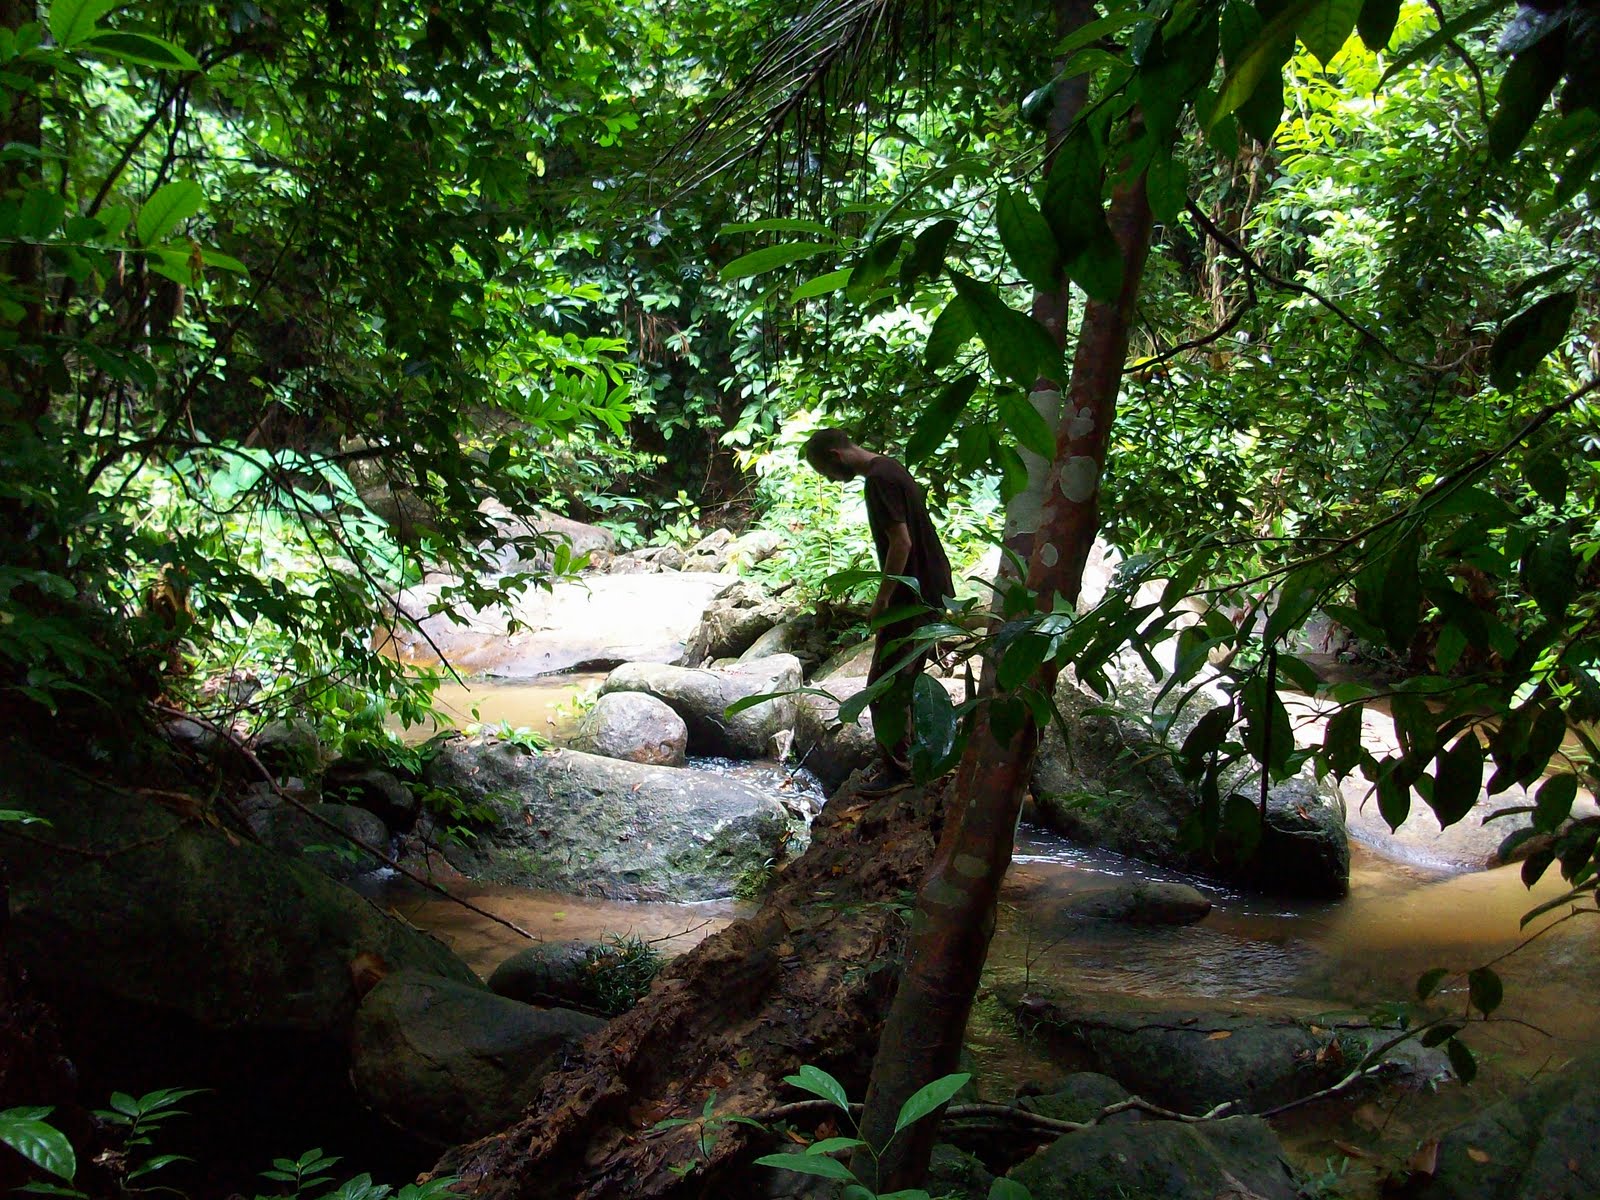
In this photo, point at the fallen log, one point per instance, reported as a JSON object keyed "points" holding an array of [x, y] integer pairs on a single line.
{"points": [[807, 979]]}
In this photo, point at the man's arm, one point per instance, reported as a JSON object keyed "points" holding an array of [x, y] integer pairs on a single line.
{"points": [[896, 554]]}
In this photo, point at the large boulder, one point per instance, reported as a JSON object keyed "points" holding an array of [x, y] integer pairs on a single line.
{"points": [[1193, 1061], [806, 636], [380, 792], [595, 622], [1082, 1096], [579, 823], [173, 919], [1234, 1159], [338, 851], [550, 973], [529, 543], [635, 727], [702, 696], [1141, 902], [1106, 782], [448, 1062], [1538, 1145], [733, 621]]}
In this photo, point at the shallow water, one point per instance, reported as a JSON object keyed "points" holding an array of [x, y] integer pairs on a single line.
{"points": [[547, 705]]}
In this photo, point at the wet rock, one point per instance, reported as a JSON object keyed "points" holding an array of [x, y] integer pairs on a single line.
{"points": [[635, 727], [1234, 1159], [529, 543], [1081, 1096], [1142, 903], [1107, 783], [378, 791], [851, 662], [593, 826], [288, 748], [1192, 1061], [549, 973], [804, 636], [733, 621], [597, 621], [1538, 1145], [702, 696], [450, 1062], [710, 553], [752, 547], [216, 935], [290, 831]]}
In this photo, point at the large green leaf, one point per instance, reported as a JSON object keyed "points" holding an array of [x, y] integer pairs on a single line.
{"points": [[1019, 348], [1458, 778], [73, 20], [808, 1164], [1553, 802], [1072, 194], [939, 418], [1273, 47], [927, 1099], [142, 48], [171, 204], [1097, 268], [819, 1083], [1526, 85], [42, 1144], [1027, 239], [1400, 594], [822, 285], [770, 258], [933, 725], [1026, 423], [1327, 27], [952, 330], [1550, 573], [1528, 337], [1377, 21]]}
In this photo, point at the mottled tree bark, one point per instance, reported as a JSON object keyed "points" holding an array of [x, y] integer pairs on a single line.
{"points": [[955, 913]]}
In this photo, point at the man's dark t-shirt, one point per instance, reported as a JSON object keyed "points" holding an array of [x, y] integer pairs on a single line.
{"points": [[893, 496]]}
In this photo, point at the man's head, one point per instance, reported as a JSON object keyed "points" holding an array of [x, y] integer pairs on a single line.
{"points": [[828, 450]]}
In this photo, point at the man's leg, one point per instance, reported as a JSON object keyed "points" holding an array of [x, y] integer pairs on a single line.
{"points": [[891, 711]]}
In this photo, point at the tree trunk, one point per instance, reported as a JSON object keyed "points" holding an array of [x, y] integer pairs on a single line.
{"points": [[806, 980], [956, 906]]}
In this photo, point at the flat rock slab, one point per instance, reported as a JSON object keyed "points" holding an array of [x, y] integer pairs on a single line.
{"points": [[596, 621], [1234, 1159], [593, 826]]}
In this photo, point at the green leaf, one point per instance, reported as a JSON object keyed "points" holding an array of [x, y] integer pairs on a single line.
{"points": [[927, 251], [1400, 594], [822, 285], [1072, 194], [1027, 240], [1528, 337], [73, 20], [223, 262], [1546, 474], [1026, 424], [770, 258], [1458, 779], [808, 1164], [1024, 656], [1268, 734], [777, 225], [42, 1144], [1524, 88], [1272, 48], [833, 1145], [1428, 982], [933, 726], [41, 213], [1394, 798], [171, 204], [1550, 573], [1554, 802], [1327, 27], [1008, 1189], [1019, 348], [1376, 23], [872, 265], [819, 1083], [1097, 268], [1296, 598], [156, 1163], [1341, 743], [1484, 990], [1167, 183], [1440, 1034], [1207, 735], [926, 1100], [952, 330], [939, 418], [141, 48]]}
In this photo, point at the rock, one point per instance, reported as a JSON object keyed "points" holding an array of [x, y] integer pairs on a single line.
{"points": [[752, 547], [216, 935], [290, 831], [635, 727], [548, 973], [1081, 1096], [1538, 1145], [1142, 903], [1234, 1159], [449, 1062], [954, 1172], [288, 747], [1192, 1061], [528, 543], [851, 662], [405, 512], [803, 636], [733, 621], [1118, 789], [593, 826], [701, 697], [378, 791], [710, 553], [597, 621]]}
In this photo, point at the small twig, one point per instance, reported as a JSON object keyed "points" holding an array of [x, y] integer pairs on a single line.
{"points": [[233, 740]]}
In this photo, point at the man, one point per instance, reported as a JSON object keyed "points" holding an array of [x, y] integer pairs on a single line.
{"points": [[907, 545]]}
